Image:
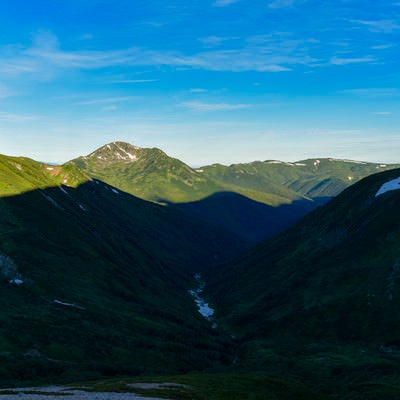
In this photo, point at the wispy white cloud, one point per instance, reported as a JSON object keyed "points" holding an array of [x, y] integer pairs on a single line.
{"points": [[383, 25], [107, 100], [110, 108], [349, 60], [383, 46], [281, 3], [277, 52], [135, 81], [382, 113], [198, 90], [214, 41], [155, 24], [199, 106], [5, 91], [246, 59], [86, 36], [46, 58], [16, 118], [372, 92], [223, 3]]}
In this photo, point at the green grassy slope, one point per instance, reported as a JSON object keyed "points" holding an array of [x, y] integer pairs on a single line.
{"points": [[20, 174], [320, 301], [147, 173], [325, 177]]}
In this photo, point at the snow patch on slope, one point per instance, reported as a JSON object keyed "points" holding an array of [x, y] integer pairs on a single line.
{"points": [[16, 281], [393, 184], [130, 156], [63, 190], [9, 270], [63, 303], [348, 161], [52, 201]]}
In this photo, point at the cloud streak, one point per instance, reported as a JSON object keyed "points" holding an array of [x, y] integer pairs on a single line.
{"points": [[281, 3], [349, 60], [106, 100], [274, 53], [199, 106], [135, 81], [214, 41], [16, 118], [381, 26], [46, 56], [224, 3], [372, 92]]}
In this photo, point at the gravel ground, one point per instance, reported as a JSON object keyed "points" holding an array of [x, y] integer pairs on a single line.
{"points": [[60, 393]]}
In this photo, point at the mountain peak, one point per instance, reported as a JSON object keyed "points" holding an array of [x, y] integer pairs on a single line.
{"points": [[116, 151]]}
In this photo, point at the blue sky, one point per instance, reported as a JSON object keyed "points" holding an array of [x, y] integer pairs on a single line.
{"points": [[205, 80]]}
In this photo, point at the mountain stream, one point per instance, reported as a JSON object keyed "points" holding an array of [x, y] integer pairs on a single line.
{"points": [[204, 309]]}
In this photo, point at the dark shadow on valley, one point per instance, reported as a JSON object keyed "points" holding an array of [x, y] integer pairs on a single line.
{"points": [[251, 220]]}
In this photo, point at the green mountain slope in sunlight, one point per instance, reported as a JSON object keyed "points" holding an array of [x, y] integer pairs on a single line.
{"points": [[20, 174], [147, 173], [313, 178]]}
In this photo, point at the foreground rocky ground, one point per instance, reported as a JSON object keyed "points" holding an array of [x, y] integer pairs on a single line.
{"points": [[57, 392]]}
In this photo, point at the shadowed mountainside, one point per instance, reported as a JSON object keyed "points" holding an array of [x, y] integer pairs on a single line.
{"points": [[253, 221], [96, 283], [321, 299]]}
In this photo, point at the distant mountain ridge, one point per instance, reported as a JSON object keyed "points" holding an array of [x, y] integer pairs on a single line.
{"points": [[276, 193], [319, 177]]}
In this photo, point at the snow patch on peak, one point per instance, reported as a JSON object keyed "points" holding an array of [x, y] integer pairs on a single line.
{"points": [[348, 161], [115, 150], [393, 184], [127, 154]]}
